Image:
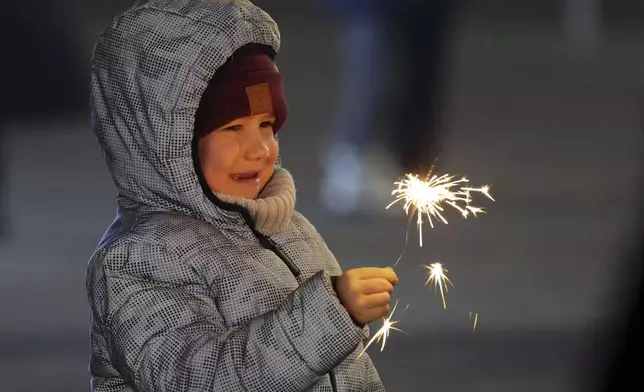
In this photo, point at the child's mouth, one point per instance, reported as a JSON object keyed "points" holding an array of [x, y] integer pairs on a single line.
{"points": [[250, 177]]}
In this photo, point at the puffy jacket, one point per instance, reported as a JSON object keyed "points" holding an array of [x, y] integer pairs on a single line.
{"points": [[194, 292]]}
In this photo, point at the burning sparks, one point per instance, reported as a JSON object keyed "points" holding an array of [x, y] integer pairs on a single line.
{"points": [[428, 197], [440, 280], [476, 319], [383, 332]]}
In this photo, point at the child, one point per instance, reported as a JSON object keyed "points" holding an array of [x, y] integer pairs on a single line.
{"points": [[208, 280]]}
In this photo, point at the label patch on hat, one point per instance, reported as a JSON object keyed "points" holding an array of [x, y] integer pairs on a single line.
{"points": [[259, 98]]}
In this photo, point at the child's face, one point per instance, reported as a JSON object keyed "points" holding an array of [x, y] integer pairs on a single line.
{"points": [[237, 159]]}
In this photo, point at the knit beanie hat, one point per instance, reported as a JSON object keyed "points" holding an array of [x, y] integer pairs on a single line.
{"points": [[248, 83]]}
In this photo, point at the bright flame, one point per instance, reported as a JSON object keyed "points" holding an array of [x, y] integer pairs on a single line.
{"points": [[427, 197], [383, 332], [440, 280]]}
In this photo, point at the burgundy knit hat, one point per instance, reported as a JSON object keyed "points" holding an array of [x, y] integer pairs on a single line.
{"points": [[247, 84]]}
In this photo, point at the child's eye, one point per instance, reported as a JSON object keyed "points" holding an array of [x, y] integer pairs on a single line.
{"points": [[233, 128], [267, 124]]}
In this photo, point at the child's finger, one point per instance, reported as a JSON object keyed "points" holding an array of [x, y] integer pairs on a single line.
{"points": [[376, 300], [376, 285], [376, 272]]}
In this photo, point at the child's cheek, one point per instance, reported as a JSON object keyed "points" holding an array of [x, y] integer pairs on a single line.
{"points": [[266, 176], [274, 151]]}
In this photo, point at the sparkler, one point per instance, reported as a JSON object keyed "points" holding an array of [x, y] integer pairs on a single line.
{"points": [[383, 332], [439, 279], [428, 196]]}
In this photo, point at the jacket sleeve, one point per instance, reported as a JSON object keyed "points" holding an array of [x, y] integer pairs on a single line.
{"points": [[168, 337], [372, 378]]}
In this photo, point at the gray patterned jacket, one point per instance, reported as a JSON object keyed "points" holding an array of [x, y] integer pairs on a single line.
{"points": [[190, 293]]}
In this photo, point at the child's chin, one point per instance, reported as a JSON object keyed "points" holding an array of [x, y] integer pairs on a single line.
{"points": [[243, 194], [248, 194]]}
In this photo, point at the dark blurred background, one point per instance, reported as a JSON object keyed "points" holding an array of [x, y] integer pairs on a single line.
{"points": [[542, 99]]}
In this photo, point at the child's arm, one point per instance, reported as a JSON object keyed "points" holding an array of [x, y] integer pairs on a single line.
{"points": [[370, 376], [172, 337]]}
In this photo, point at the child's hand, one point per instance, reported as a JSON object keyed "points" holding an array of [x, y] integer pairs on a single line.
{"points": [[366, 292]]}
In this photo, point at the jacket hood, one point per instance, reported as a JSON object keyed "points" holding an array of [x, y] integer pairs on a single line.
{"points": [[149, 70]]}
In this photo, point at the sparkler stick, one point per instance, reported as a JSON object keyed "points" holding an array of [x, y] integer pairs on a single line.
{"points": [[383, 332], [411, 216], [431, 168]]}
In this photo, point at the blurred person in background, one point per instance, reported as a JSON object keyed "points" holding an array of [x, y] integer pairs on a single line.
{"points": [[583, 24], [41, 79], [415, 33]]}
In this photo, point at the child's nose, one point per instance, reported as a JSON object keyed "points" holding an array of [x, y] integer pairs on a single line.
{"points": [[257, 149]]}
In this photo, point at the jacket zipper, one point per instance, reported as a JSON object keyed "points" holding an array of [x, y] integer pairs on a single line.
{"points": [[334, 383], [269, 244]]}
